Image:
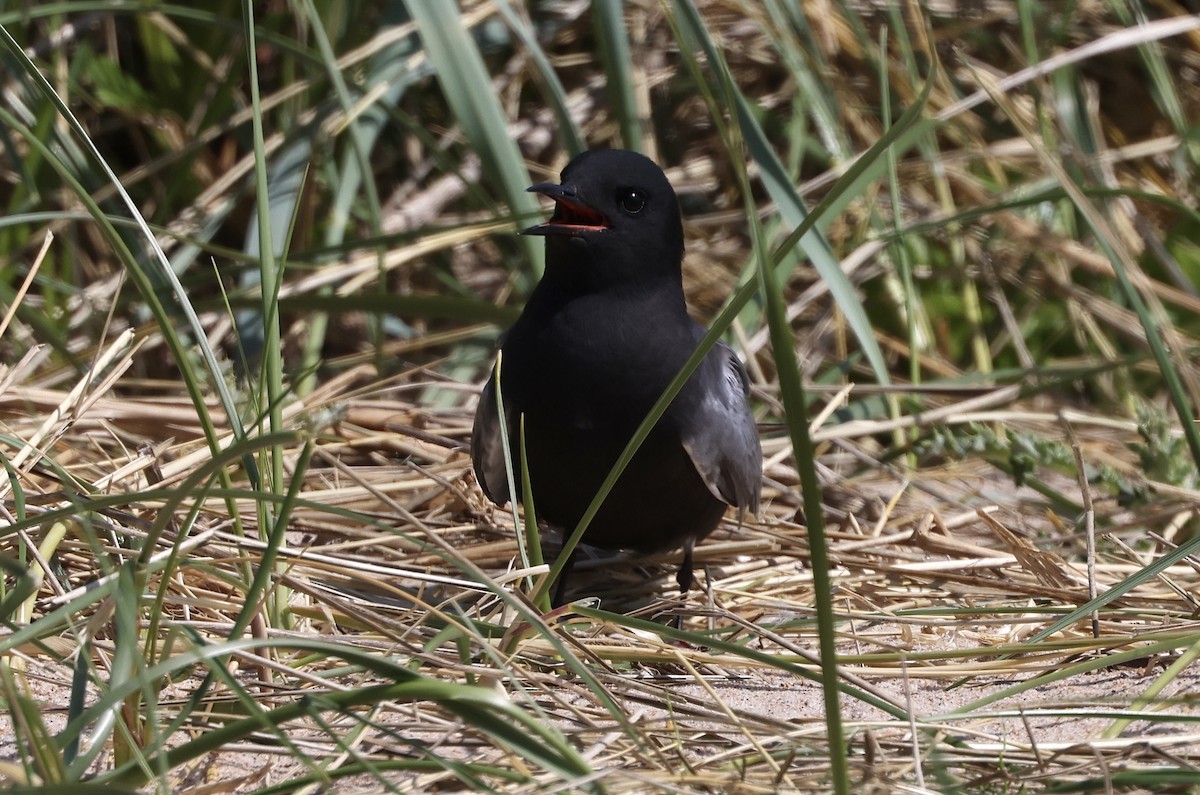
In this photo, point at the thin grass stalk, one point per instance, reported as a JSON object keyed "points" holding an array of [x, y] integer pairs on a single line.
{"points": [[1148, 697], [199, 482], [197, 487], [46, 550], [21, 584], [351, 769], [127, 665], [319, 323], [40, 761], [19, 295], [608, 17], [261, 588], [78, 698], [529, 542], [270, 277], [533, 539], [794, 403], [913, 312], [791, 386], [1111, 661], [13, 480], [506, 448], [793, 38], [900, 257], [1132, 14], [782, 343]]}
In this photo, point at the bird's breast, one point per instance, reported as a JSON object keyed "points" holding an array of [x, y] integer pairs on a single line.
{"points": [[596, 362]]}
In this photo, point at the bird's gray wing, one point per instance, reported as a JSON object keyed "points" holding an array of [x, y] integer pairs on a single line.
{"points": [[719, 432], [487, 449]]}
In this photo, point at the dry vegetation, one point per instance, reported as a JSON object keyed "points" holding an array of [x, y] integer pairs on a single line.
{"points": [[331, 601]]}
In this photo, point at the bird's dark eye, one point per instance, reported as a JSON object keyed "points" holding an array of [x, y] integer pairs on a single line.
{"points": [[631, 201]]}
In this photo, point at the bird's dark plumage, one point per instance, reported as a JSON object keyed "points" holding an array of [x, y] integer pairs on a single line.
{"points": [[603, 334]]}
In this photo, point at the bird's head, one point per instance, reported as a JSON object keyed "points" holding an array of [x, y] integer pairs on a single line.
{"points": [[614, 211]]}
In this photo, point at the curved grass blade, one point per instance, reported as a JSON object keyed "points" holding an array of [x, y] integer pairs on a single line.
{"points": [[492, 714], [163, 270], [900, 135]]}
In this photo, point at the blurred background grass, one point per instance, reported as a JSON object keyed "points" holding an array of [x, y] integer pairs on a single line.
{"points": [[345, 217]]}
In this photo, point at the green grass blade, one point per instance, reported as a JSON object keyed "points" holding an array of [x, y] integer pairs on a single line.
{"points": [[468, 90], [608, 17]]}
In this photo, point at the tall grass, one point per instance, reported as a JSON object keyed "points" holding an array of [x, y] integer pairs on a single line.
{"points": [[256, 258]]}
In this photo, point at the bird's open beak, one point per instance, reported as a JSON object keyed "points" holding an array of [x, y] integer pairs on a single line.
{"points": [[571, 215]]}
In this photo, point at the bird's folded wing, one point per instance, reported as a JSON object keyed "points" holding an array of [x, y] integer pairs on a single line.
{"points": [[720, 436], [487, 449]]}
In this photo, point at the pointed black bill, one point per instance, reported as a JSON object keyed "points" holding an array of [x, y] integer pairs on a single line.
{"points": [[571, 216]]}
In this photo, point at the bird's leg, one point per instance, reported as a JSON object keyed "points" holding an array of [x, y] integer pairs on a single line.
{"points": [[686, 576], [560, 590]]}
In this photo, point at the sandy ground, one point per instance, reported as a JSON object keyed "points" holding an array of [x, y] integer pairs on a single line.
{"points": [[1044, 721]]}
